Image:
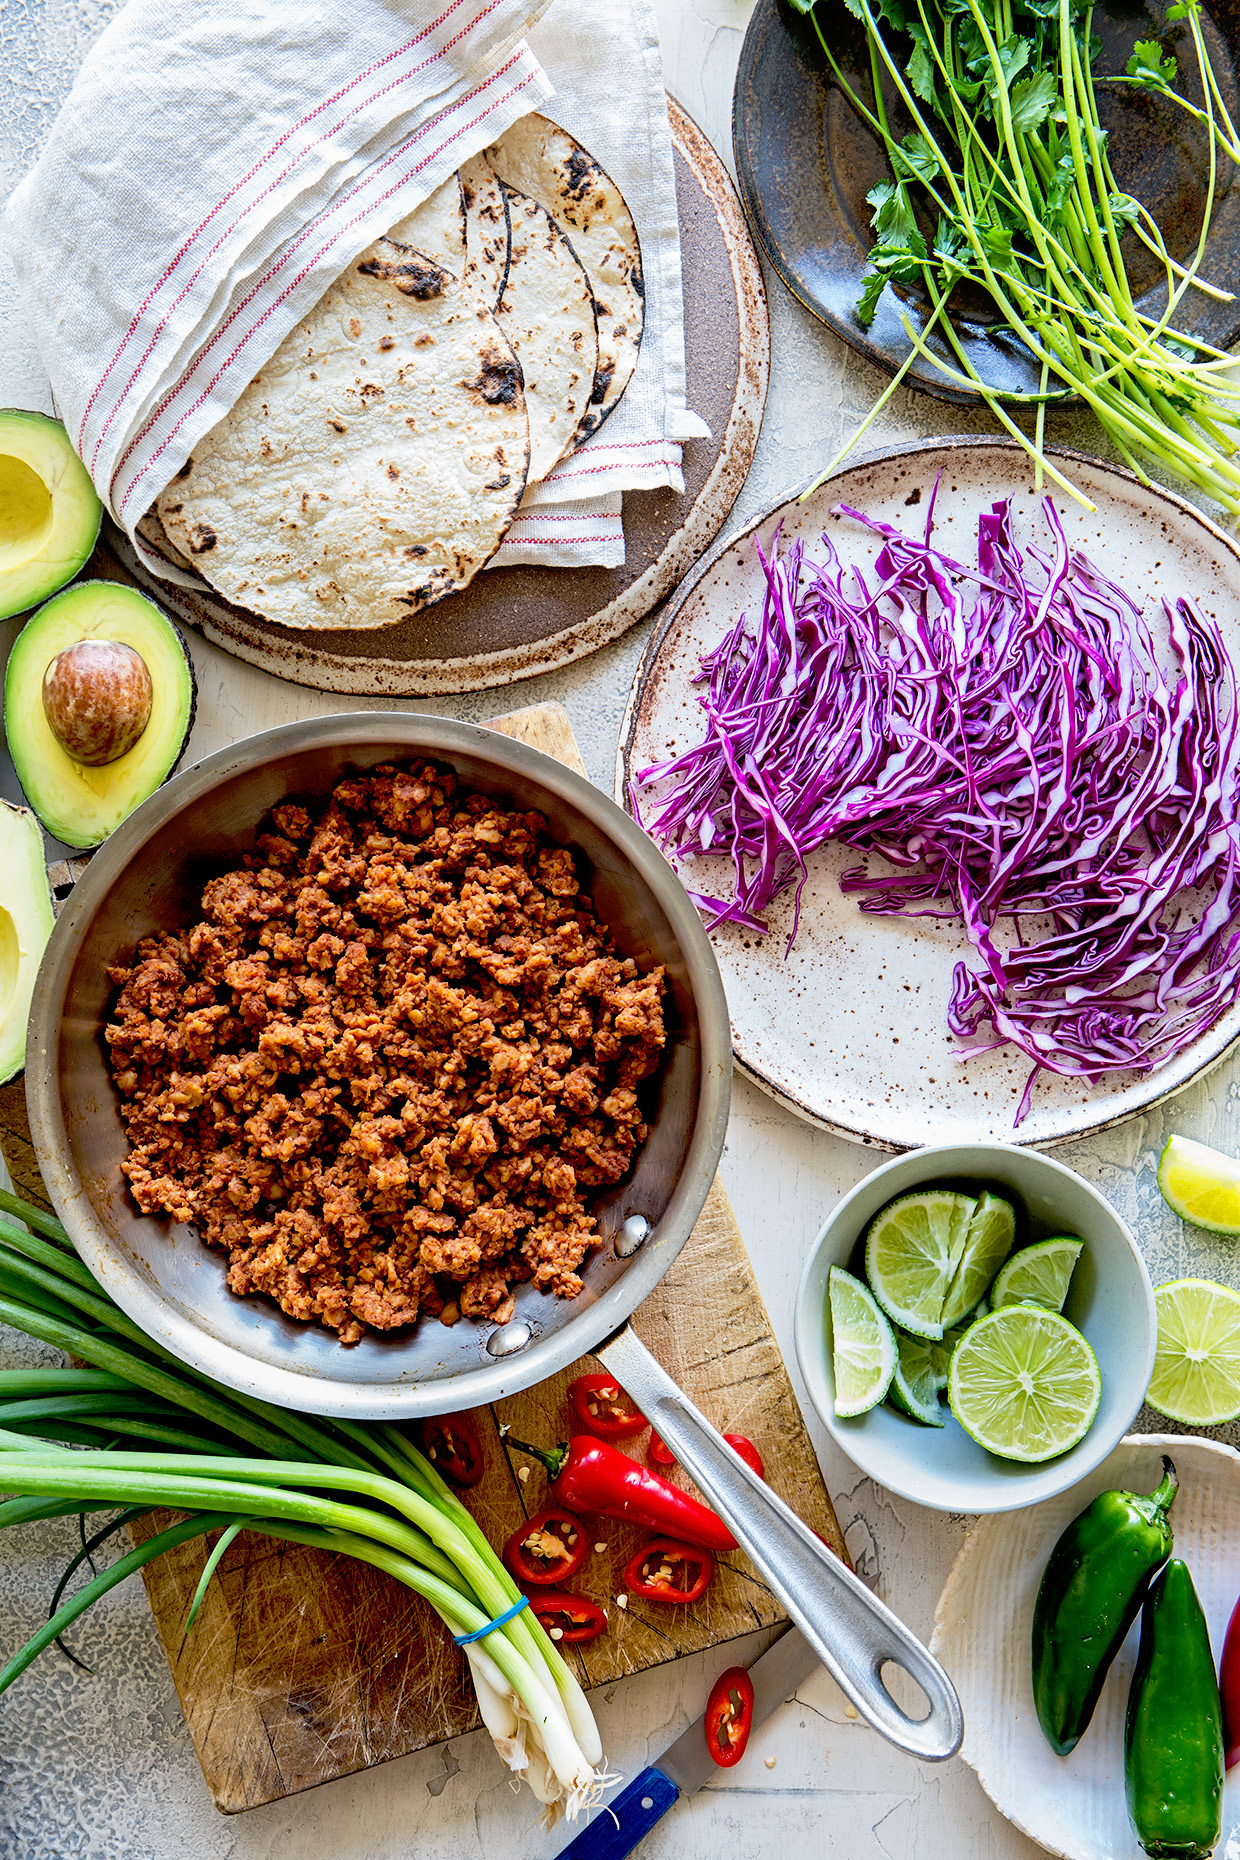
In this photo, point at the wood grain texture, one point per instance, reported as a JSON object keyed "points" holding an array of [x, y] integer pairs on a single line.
{"points": [[302, 1667]]}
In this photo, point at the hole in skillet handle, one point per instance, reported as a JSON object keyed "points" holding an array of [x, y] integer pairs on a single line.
{"points": [[903, 1690]]}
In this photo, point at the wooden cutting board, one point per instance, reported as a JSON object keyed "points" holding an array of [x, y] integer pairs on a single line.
{"points": [[302, 1667]]}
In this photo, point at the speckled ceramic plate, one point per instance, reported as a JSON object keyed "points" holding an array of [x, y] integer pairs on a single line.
{"points": [[850, 1029], [805, 162], [1074, 1806], [515, 622]]}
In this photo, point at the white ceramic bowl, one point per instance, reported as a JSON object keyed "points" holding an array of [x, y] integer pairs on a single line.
{"points": [[1111, 1300]]}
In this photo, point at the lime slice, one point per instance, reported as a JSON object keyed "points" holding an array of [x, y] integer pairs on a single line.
{"points": [[1197, 1368], [1201, 1184], [987, 1243], [863, 1347], [1037, 1275], [1024, 1383], [915, 1385], [908, 1256]]}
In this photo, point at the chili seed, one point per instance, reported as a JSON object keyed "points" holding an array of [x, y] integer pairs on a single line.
{"points": [[557, 1633], [523, 1473], [599, 1549], [622, 1601], [770, 1763]]}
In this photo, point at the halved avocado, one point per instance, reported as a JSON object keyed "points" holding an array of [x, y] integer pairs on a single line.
{"points": [[26, 919], [49, 512], [79, 803]]}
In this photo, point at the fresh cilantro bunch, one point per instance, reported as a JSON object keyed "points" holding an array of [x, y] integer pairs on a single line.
{"points": [[1005, 184]]}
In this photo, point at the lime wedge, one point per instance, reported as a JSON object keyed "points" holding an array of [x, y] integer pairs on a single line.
{"points": [[915, 1385], [1201, 1184], [987, 1243], [941, 1352], [908, 1256], [863, 1347], [1197, 1368], [1037, 1275], [1024, 1383]]}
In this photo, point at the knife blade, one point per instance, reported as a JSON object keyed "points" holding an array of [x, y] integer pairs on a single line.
{"points": [[685, 1765]]}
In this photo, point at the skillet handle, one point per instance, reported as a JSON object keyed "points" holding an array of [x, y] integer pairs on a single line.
{"points": [[851, 1631]]}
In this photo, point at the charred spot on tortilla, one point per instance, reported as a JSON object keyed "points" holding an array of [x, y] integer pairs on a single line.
{"points": [[499, 379], [185, 470], [387, 342], [501, 483], [201, 538], [580, 172], [338, 426], [393, 472], [413, 275], [602, 381]]}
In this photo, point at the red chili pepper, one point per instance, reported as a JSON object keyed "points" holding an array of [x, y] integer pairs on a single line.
{"points": [[658, 1453], [748, 1452], [453, 1448], [667, 1571], [592, 1476], [548, 1548], [1229, 1686], [569, 1618], [729, 1716], [602, 1405]]}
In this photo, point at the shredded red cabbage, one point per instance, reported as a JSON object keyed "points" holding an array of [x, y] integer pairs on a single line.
{"points": [[1005, 738]]}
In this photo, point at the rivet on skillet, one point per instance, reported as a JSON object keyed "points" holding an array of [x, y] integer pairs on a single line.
{"points": [[632, 1235], [507, 1339]]}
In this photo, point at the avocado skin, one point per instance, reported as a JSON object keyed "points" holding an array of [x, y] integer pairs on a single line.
{"points": [[26, 920], [81, 807], [42, 445]]}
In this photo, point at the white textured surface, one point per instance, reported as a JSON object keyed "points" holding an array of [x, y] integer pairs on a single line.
{"points": [[103, 1768], [1075, 1804]]}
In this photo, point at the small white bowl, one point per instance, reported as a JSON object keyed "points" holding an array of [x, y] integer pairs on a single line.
{"points": [[1110, 1299]]}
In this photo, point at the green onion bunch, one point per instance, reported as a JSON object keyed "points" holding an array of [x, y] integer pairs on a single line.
{"points": [[140, 1430], [1008, 162]]}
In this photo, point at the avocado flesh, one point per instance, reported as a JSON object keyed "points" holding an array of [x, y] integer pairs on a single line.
{"points": [[78, 804], [49, 512], [26, 920]]}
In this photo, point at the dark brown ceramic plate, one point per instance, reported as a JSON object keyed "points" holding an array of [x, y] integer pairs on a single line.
{"points": [[805, 162]]}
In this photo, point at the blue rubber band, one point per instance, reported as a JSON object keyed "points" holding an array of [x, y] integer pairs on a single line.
{"points": [[463, 1640]]}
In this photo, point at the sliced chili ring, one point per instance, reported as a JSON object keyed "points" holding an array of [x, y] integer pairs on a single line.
{"points": [[602, 1405], [548, 1548], [748, 1452], [569, 1618], [657, 1453], [453, 1448], [667, 1571], [729, 1716]]}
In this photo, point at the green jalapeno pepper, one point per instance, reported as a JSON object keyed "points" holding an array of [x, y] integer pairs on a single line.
{"points": [[1092, 1587], [1173, 1737]]}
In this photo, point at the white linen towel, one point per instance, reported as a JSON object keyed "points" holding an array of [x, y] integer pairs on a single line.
{"points": [[219, 162]]}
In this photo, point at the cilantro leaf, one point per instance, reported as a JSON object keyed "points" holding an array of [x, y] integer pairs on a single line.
{"points": [[922, 74], [1124, 208], [1148, 66], [1030, 100], [915, 160], [893, 216], [873, 288]]}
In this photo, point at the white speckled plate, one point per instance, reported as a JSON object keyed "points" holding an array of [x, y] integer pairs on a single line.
{"points": [[850, 1030], [1074, 1806]]}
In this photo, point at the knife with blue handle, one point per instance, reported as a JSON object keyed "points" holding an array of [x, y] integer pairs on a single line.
{"points": [[620, 1824]]}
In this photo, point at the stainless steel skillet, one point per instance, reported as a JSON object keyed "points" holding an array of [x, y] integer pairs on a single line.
{"points": [[149, 877]]}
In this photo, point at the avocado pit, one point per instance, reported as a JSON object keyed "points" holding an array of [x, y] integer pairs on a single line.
{"points": [[97, 700]]}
